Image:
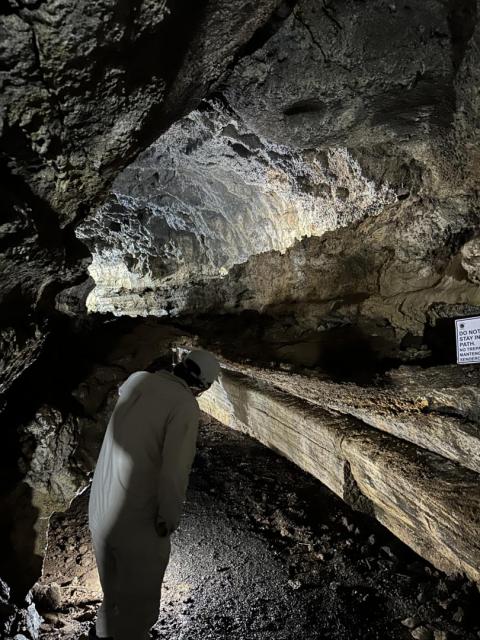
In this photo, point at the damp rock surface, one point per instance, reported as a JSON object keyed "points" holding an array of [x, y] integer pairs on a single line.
{"points": [[265, 551]]}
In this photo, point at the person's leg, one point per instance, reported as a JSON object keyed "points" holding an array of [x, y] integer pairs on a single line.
{"points": [[106, 566], [142, 560]]}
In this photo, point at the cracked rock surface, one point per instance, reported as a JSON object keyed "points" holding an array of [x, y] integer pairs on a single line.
{"points": [[296, 179], [206, 196], [426, 499], [83, 90], [370, 151]]}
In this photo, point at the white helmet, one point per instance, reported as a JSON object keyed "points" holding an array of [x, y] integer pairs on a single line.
{"points": [[206, 363]]}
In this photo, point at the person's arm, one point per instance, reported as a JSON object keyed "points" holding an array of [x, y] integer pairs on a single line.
{"points": [[178, 452]]}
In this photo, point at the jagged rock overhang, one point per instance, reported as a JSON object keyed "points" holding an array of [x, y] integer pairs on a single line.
{"points": [[402, 246], [75, 111], [208, 195]]}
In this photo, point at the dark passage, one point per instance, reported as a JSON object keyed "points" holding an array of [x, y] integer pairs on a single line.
{"points": [[266, 552]]}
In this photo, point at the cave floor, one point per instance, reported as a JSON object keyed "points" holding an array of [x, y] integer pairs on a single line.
{"points": [[265, 551]]}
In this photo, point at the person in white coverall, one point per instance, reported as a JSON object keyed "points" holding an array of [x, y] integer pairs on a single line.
{"points": [[138, 490]]}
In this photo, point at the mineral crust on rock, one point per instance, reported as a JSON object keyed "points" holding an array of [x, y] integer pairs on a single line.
{"points": [[206, 196]]}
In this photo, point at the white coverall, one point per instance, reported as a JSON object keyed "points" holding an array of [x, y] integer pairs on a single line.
{"points": [[140, 481]]}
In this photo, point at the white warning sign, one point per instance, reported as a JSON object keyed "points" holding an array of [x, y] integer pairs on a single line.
{"points": [[468, 340]]}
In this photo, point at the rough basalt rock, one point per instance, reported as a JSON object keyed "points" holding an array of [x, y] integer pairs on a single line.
{"points": [[48, 444], [387, 87], [15, 620], [429, 502], [370, 73], [403, 268], [47, 479], [83, 90], [436, 408], [206, 196], [393, 267]]}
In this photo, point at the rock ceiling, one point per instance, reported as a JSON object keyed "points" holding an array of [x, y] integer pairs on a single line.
{"points": [[352, 126], [208, 195]]}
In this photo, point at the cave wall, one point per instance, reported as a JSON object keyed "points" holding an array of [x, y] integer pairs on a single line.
{"points": [[84, 89], [206, 196], [383, 118], [360, 119], [405, 104], [407, 263]]}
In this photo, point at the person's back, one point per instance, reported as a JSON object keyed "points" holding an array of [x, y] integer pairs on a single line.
{"points": [[128, 484], [138, 490]]}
